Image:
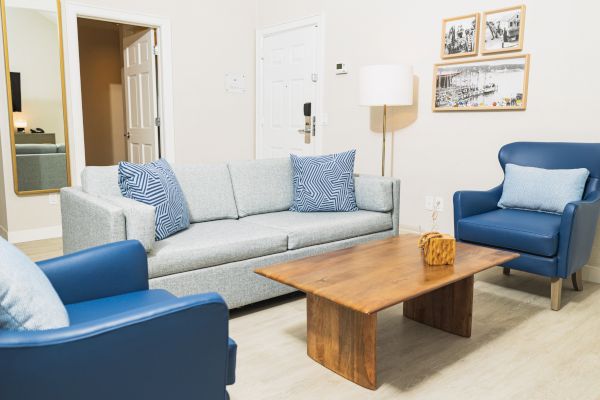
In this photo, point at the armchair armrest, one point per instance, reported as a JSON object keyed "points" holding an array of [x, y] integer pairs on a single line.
{"points": [[380, 194], [577, 231], [139, 219], [103, 271], [470, 202], [177, 349], [88, 221]]}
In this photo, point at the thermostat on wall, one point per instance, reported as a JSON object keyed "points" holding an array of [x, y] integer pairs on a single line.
{"points": [[340, 69]]}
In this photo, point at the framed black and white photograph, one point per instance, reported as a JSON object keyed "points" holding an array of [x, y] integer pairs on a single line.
{"points": [[460, 36], [503, 30], [498, 83]]}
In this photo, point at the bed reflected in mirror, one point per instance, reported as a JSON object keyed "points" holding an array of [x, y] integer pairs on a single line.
{"points": [[34, 65]]}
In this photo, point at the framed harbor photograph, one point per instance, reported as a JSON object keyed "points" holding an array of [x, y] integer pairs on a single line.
{"points": [[503, 30], [460, 36], [498, 83]]}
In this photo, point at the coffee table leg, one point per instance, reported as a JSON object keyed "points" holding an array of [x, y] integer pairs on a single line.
{"points": [[343, 340], [449, 308]]}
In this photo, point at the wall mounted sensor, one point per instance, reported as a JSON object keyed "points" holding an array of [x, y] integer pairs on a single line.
{"points": [[340, 69]]}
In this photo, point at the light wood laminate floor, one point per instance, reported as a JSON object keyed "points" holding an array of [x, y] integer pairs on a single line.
{"points": [[519, 348]]}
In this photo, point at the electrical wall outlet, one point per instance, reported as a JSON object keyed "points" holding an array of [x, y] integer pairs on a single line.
{"points": [[438, 203], [429, 203], [434, 203], [53, 198]]}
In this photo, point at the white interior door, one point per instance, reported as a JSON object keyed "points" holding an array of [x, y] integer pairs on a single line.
{"points": [[141, 110], [289, 80]]}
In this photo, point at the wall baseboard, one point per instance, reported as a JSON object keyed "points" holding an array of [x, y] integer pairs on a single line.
{"points": [[591, 273], [28, 235]]}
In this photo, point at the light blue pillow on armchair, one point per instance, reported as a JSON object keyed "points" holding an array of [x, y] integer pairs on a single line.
{"points": [[28, 300], [540, 189], [324, 183]]}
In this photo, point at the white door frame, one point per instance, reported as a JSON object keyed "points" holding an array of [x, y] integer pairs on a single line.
{"points": [[260, 36], [71, 11]]}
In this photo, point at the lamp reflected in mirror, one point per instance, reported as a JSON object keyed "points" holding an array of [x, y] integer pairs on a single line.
{"points": [[35, 91]]}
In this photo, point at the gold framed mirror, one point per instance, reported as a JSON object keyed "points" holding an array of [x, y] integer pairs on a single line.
{"points": [[35, 83]]}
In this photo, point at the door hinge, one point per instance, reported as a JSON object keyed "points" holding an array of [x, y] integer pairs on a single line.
{"points": [[157, 121], [156, 50], [314, 76]]}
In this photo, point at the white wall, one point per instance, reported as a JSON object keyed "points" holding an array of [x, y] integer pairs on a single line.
{"points": [[210, 38], [439, 153], [434, 153]]}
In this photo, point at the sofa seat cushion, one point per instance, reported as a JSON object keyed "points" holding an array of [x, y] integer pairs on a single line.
{"points": [[213, 243], [309, 229], [109, 306], [528, 231]]}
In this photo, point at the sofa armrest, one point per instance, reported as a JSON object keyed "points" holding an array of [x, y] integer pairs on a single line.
{"points": [[577, 232], [139, 219], [88, 221], [470, 202], [176, 349], [380, 194], [104, 271]]}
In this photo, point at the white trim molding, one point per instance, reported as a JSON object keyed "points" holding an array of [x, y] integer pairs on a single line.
{"points": [[3, 232], [261, 33], [591, 273], [28, 235], [70, 12]]}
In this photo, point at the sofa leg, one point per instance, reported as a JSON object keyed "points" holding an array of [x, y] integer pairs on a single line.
{"points": [[506, 271], [577, 278], [555, 293]]}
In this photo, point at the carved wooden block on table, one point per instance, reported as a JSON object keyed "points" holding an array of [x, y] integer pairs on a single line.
{"points": [[438, 249]]}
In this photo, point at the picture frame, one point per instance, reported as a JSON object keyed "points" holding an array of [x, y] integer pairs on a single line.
{"points": [[502, 30], [484, 84], [460, 36]]}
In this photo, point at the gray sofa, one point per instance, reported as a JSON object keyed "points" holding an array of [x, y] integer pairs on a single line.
{"points": [[41, 166], [239, 222]]}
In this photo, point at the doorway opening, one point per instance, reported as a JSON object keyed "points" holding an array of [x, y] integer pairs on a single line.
{"points": [[119, 92]]}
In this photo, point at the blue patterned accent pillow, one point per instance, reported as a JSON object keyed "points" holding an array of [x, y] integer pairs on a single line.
{"points": [[324, 183], [155, 184]]}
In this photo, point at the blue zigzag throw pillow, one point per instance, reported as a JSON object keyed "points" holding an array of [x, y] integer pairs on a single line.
{"points": [[324, 183], [155, 184]]}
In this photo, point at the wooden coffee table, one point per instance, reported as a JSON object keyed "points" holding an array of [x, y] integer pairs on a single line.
{"points": [[346, 288]]}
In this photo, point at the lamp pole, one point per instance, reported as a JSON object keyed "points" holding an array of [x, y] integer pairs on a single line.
{"points": [[383, 144]]}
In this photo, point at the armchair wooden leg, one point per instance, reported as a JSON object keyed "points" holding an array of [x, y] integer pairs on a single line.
{"points": [[555, 293], [506, 271], [577, 279]]}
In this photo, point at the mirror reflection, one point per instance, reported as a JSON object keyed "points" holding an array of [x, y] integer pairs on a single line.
{"points": [[35, 81]]}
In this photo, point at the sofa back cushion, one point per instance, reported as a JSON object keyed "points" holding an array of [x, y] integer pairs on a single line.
{"points": [[101, 181], [33, 148], [262, 186], [208, 191]]}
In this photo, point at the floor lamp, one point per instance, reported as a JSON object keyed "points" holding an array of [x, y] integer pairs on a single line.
{"points": [[386, 85]]}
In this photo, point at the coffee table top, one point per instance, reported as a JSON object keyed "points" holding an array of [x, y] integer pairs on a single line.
{"points": [[376, 275]]}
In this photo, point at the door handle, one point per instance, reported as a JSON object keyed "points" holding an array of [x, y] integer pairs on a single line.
{"points": [[127, 135]]}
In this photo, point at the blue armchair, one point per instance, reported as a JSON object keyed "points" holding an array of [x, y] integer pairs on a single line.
{"points": [[125, 341], [556, 246]]}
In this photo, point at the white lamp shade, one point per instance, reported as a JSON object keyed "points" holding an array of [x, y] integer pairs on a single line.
{"points": [[389, 84]]}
